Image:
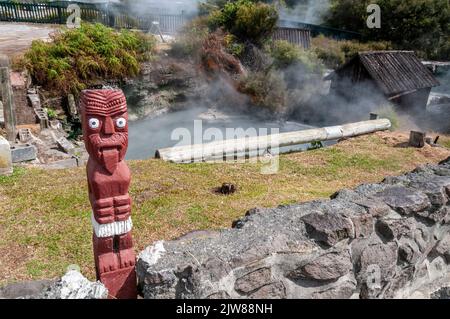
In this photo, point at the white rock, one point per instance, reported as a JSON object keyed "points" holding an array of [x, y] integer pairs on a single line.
{"points": [[152, 254], [73, 285], [5, 157]]}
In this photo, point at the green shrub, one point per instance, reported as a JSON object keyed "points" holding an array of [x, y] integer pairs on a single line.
{"points": [[266, 90], [334, 53], [233, 45], [286, 54], [51, 114], [351, 48], [329, 51], [245, 19], [77, 58]]}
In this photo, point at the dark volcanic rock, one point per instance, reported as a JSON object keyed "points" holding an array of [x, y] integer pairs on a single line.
{"points": [[391, 228], [409, 251], [342, 291], [404, 200], [374, 208], [443, 247], [253, 281], [384, 257], [328, 228], [330, 266], [272, 291], [443, 293]]}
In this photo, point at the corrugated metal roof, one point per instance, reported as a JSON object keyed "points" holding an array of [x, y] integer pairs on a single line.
{"points": [[397, 71], [394, 71], [300, 37]]}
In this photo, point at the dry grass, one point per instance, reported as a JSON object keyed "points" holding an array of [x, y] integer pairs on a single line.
{"points": [[44, 217]]}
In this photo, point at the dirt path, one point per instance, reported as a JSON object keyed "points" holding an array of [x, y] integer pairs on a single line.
{"points": [[17, 37]]}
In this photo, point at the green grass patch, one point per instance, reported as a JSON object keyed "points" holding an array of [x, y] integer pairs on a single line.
{"points": [[35, 268], [11, 179]]}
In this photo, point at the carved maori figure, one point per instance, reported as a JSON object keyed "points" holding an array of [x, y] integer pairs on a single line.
{"points": [[105, 131]]}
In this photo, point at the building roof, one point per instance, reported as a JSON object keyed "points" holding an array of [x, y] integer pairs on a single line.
{"points": [[394, 71], [296, 36]]}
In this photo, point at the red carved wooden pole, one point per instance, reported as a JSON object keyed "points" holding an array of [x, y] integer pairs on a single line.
{"points": [[105, 130]]}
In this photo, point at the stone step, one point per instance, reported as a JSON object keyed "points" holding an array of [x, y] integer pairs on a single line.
{"points": [[23, 153]]}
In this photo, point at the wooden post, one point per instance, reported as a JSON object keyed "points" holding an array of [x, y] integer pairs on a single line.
{"points": [[9, 110], [417, 139]]}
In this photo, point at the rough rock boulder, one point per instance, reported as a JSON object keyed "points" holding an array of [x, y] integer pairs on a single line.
{"points": [[73, 285]]}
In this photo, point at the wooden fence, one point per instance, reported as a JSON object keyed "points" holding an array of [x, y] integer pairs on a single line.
{"points": [[113, 15]]}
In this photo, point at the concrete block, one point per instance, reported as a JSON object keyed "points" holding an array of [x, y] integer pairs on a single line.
{"points": [[5, 157], [43, 118], [24, 135], [35, 101], [23, 153], [65, 145]]}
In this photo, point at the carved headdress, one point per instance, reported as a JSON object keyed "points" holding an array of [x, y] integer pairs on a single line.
{"points": [[103, 102]]}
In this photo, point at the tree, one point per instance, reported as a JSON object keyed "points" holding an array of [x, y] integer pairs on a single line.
{"points": [[420, 25], [248, 20]]}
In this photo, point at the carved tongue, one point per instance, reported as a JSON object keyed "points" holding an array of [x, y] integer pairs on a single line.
{"points": [[110, 159]]}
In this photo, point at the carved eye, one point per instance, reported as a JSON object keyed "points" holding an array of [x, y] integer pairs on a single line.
{"points": [[94, 123], [121, 122]]}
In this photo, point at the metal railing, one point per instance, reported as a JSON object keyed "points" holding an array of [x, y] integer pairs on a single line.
{"points": [[117, 16], [112, 15]]}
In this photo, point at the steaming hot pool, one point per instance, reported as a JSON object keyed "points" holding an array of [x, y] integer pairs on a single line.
{"points": [[148, 135]]}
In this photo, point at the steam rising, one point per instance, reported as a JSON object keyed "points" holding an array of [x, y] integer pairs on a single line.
{"points": [[143, 7], [308, 11], [308, 101]]}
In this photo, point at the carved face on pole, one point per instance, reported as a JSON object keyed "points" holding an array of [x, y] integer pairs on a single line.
{"points": [[105, 126]]}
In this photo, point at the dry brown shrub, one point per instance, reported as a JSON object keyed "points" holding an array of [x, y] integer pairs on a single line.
{"points": [[215, 60]]}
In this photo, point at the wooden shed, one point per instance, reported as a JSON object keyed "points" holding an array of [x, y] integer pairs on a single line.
{"points": [[399, 76], [296, 36]]}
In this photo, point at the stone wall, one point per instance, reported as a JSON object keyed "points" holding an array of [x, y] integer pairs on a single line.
{"points": [[387, 240]]}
